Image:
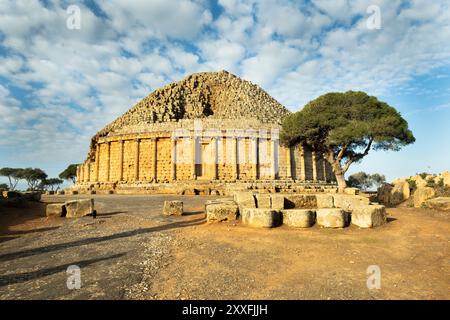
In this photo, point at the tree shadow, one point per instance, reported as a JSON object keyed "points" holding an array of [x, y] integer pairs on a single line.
{"points": [[390, 219], [192, 213], [126, 234], [107, 214], [26, 276]]}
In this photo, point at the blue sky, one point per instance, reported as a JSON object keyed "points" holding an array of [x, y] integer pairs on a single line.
{"points": [[59, 86]]}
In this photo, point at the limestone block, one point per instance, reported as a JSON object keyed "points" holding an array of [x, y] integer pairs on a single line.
{"points": [[446, 176], [351, 191], [420, 182], [347, 202], [262, 218], [263, 200], [439, 203], [244, 199], [332, 218], [368, 216], [324, 201], [299, 218], [277, 201], [422, 194], [79, 208], [226, 211], [399, 193], [173, 208], [55, 210], [299, 201]]}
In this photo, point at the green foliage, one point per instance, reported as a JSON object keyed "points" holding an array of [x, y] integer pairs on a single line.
{"points": [[412, 184], [345, 126], [440, 183], [14, 175], [33, 177], [4, 186], [430, 182], [70, 173], [365, 181], [423, 175]]}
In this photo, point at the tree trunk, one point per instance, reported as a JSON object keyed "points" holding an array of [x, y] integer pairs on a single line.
{"points": [[340, 181]]}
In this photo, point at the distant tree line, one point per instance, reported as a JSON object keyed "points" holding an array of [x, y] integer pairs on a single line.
{"points": [[36, 178], [365, 181]]}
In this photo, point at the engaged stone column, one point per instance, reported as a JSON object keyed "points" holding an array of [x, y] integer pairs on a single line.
{"points": [[216, 157], [136, 159], [274, 162], [255, 157], [121, 143], [108, 165], [235, 159], [193, 145], [302, 163], [174, 158], [288, 163], [97, 162], [154, 159], [88, 165], [314, 165]]}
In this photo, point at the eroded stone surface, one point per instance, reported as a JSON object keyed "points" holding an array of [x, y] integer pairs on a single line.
{"points": [[262, 218], [368, 216], [55, 210], [173, 208], [332, 218], [299, 218], [79, 208], [225, 211]]}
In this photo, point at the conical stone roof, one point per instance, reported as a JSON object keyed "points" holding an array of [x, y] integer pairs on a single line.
{"points": [[219, 95]]}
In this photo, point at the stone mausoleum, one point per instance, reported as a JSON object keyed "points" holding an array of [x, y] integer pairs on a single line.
{"points": [[209, 133]]}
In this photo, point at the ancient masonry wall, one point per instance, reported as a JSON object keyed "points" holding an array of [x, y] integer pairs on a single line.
{"points": [[161, 158]]}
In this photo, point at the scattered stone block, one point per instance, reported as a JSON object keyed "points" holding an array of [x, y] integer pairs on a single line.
{"points": [[332, 218], [261, 218], [79, 208], [324, 201], [300, 201], [55, 210], [226, 211], [263, 200], [351, 191], [439, 203], [173, 208], [245, 199], [368, 216], [299, 218], [421, 195], [277, 201], [347, 202]]}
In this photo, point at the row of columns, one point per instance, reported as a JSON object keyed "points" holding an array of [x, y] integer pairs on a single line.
{"points": [[83, 176]]}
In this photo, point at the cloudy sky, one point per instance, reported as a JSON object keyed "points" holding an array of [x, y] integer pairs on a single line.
{"points": [[59, 84]]}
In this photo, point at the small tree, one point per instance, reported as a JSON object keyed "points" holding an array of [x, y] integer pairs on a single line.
{"points": [[34, 177], [4, 186], [366, 181], [344, 127], [52, 183], [70, 173], [14, 175]]}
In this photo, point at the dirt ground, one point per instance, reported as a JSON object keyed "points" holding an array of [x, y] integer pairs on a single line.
{"points": [[131, 251]]}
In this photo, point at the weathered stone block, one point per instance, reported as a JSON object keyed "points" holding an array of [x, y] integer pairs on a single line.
{"points": [[324, 201], [351, 191], [422, 194], [173, 208], [245, 199], [262, 218], [299, 201], [277, 201], [263, 200], [55, 210], [368, 216], [332, 218], [217, 212], [300, 218], [347, 202], [440, 203], [79, 208]]}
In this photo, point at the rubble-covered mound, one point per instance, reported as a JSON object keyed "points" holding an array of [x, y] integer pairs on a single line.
{"points": [[208, 94]]}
